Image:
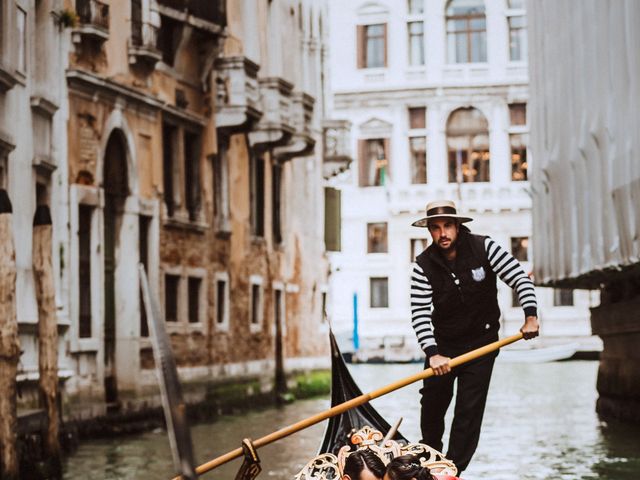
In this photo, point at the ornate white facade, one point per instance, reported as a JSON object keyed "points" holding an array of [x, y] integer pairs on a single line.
{"points": [[462, 93]]}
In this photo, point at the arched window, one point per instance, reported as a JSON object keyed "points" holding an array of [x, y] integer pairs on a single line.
{"points": [[466, 31], [468, 146]]}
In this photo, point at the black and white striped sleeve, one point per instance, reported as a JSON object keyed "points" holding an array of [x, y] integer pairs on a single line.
{"points": [[421, 307], [511, 272]]}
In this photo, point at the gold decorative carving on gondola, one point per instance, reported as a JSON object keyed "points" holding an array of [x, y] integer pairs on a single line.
{"points": [[322, 467], [330, 467], [431, 458]]}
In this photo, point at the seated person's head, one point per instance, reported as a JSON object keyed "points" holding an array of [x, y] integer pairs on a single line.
{"points": [[363, 465], [407, 467]]}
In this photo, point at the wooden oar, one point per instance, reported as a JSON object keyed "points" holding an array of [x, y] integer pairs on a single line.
{"points": [[354, 402]]}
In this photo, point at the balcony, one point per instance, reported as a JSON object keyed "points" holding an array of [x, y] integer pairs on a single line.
{"points": [[477, 197], [143, 50], [275, 127], [206, 14], [337, 154], [238, 95], [302, 141], [7, 78], [93, 21]]}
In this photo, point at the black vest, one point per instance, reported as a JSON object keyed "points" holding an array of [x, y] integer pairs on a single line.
{"points": [[465, 296]]}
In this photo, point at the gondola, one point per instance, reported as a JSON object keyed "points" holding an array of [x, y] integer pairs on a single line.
{"points": [[353, 422], [362, 427]]}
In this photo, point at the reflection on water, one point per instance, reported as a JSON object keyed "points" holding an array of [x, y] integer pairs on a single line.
{"points": [[540, 423]]}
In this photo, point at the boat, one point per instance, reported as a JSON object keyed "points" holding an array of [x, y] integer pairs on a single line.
{"points": [[362, 427], [354, 428], [539, 354]]}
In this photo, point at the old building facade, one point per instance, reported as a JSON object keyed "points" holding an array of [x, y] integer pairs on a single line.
{"points": [[437, 94], [189, 138], [587, 180]]}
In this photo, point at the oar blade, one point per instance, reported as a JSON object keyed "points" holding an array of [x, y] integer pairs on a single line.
{"points": [[174, 407]]}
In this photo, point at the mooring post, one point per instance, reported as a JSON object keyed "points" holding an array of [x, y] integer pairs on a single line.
{"points": [[9, 344], [47, 331]]}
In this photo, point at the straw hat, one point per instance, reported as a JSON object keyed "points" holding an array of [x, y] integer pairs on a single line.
{"points": [[440, 209]]}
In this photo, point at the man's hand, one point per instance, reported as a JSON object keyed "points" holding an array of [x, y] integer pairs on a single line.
{"points": [[531, 328], [440, 364]]}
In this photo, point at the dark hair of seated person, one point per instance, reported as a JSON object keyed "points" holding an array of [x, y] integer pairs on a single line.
{"points": [[407, 467], [364, 459]]}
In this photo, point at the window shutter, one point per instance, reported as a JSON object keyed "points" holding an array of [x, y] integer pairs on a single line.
{"points": [[332, 219], [361, 48], [387, 155], [362, 163], [385, 44]]}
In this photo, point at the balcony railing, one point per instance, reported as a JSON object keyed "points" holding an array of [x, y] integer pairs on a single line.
{"points": [[93, 12], [143, 34], [143, 48], [93, 22], [337, 154]]}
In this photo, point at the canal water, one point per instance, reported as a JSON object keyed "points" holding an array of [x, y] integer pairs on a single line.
{"points": [[540, 424]]}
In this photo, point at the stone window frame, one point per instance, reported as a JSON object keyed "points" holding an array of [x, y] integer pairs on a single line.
{"points": [[371, 281], [511, 13], [201, 274], [181, 215], [94, 197], [256, 326], [223, 326], [519, 131], [182, 325]]}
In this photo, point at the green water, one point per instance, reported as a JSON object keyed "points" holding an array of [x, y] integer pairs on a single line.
{"points": [[540, 424]]}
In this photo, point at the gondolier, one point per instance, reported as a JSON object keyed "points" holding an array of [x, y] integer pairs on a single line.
{"points": [[455, 309]]}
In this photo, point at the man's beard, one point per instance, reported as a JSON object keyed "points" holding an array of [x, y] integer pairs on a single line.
{"points": [[452, 245]]}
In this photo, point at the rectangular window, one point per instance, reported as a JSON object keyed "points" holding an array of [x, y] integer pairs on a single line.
{"points": [[169, 154], [372, 46], [276, 202], [377, 237], [221, 301], [379, 287], [520, 248], [469, 165], [221, 185], [418, 245], [169, 38], [85, 212], [519, 165], [518, 38], [332, 219], [418, 156], [257, 195], [143, 249], [194, 284], [416, 43], [21, 27], [417, 118], [374, 162], [171, 284], [256, 304], [191, 159], [42, 136], [518, 114], [562, 297], [416, 7]]}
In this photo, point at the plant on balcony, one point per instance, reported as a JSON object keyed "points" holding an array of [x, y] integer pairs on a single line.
{"points": [[66, 18]]}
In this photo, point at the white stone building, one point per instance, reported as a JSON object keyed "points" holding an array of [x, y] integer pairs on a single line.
{"points": [[436, 92]]}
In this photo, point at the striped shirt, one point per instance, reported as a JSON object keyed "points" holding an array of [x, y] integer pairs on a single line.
{"points": [[502, 263]]}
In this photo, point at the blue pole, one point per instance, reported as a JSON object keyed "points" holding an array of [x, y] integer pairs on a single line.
{"points": [[356, 340]]}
